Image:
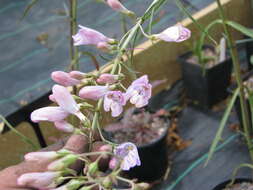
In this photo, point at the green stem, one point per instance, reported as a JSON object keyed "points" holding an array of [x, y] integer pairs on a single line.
{"points": [[23, 137], [236, 65], [73, 30]]}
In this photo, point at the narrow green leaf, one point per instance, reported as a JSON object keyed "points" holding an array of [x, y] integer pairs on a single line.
{"points": [[151, 21], [237, 169], [246, 31], [28, 8], [222, 126], [23, 137], [187, 13]]}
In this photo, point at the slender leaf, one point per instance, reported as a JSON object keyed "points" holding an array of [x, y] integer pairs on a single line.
{"points": [[23, 137], [222, 126], [203, 36], [187, 13], [237, 169], [246, 31], [28, 8]]}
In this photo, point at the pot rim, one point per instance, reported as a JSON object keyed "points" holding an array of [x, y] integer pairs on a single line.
{"points": [[186, 55], [163, 135], [222, 185]]}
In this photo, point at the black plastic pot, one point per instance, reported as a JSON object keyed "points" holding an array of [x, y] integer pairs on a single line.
{"points": [[223, 185], [209, 88], [154, 159]]}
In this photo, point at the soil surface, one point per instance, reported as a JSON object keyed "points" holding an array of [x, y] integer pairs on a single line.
{"points": [[241, 186], [208, 53], [139, 128]]}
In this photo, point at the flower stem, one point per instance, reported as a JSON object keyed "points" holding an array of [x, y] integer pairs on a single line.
{"points": [[23, 137], [236, 64]]}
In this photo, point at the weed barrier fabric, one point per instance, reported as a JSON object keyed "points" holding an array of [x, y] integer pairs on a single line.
{"points": [[26, 64], [200, 126]]}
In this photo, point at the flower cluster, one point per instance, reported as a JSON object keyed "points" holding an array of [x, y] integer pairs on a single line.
{"points": [[112, 96]]}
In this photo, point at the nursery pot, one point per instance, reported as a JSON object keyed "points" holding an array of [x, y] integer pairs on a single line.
{"points": [[153, 157], [154, 160], [205, 88], [223, 185]]}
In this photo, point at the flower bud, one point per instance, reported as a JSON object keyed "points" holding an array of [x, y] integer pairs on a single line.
{"points": [[41, 156], [73, 184], [117, 6], [93, 168], [107, 78], [64, 126], [77, 75], [86, 188], [62, 163], [38, 180], [93, 92], [64, 78], [141, 186]]}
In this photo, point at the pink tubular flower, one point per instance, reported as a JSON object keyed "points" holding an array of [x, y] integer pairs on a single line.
{"points": [[52, 114], [139, 92], [88, 36], [64, 126], [93, 92], [117, 6], [41, 156], [114, 101], [176, 33], [128, 154], [107, 78], [38, 180], [65, 100], [64, 78]]}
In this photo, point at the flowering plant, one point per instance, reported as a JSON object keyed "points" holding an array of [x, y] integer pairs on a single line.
{"points": [[107, 89]]}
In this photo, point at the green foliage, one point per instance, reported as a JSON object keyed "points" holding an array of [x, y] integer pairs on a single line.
{"points": [[222, 126]]}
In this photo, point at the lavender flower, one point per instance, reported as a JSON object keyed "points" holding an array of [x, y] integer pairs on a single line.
{"points": [[139, 92], [88, 36], [176, 33], [114, 101], [128, 154]]}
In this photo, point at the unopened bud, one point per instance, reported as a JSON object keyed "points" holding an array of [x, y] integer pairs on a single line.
{"points": [[73, 184], [86, 188], [141, 186], [62, 163], [93, 168]]}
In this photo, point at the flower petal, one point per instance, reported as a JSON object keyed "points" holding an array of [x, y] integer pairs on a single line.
{"points": [[64, 99], [52, 114]]}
